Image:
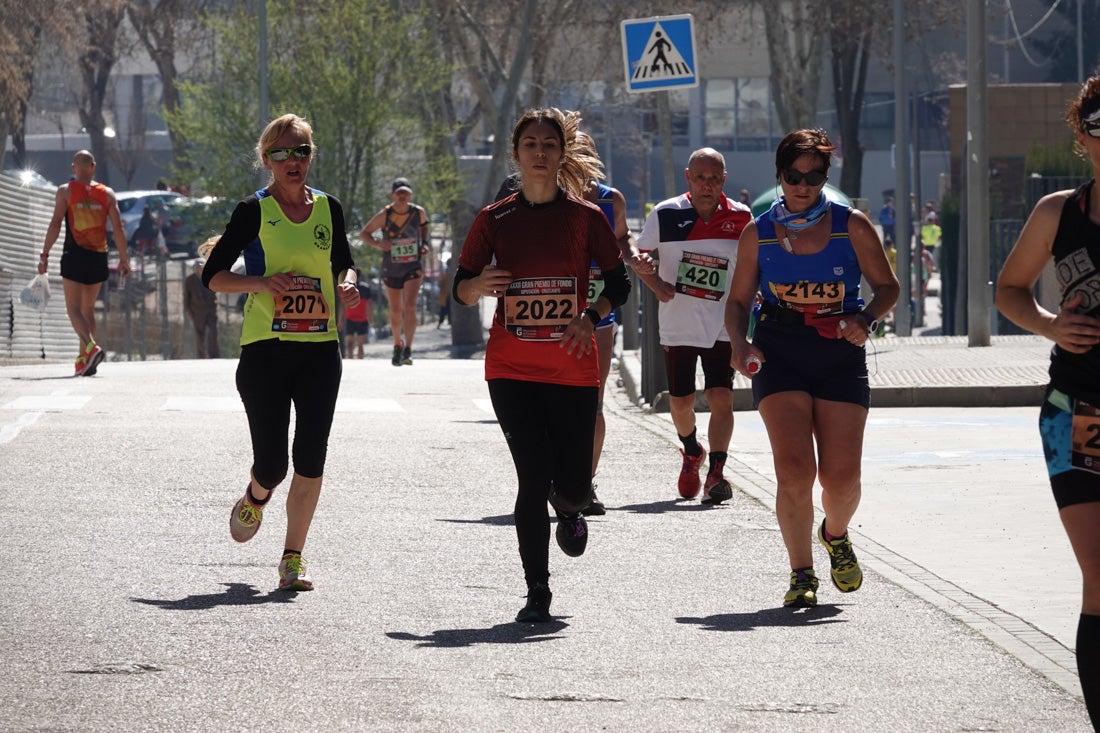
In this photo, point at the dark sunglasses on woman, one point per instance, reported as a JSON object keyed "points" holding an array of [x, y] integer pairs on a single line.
{"points": [[812, 178]]}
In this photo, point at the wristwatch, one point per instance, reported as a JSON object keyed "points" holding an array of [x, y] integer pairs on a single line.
{"points": [[593, 315], [872, 324]]}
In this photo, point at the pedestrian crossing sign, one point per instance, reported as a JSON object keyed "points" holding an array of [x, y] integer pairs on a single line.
{"points": [[659, 53]]}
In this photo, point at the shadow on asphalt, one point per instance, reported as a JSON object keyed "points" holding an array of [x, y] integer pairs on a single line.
{"points": [[510, 633], [235, 594], [816, 616], [667, 505], [499, 520]]}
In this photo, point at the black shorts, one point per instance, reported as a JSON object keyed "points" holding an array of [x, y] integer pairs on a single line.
{"points": [[397, 282], [358, 328], [680, 366], [798, 359], [83, 266]]}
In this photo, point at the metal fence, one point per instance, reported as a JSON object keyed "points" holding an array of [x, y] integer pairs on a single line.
{"points": [[139, 318]]}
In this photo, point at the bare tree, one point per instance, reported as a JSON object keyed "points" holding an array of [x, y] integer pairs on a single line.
{"points": [[102, 19], [166, 27], [20, 44]]}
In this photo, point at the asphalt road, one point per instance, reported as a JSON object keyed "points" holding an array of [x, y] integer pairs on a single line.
{"points": [[129, 608]]}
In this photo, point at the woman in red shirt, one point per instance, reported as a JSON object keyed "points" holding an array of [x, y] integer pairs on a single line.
{"points": [[531, 251]]}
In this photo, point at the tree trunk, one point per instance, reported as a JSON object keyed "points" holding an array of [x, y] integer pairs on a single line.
{"points": [[850, 52]]}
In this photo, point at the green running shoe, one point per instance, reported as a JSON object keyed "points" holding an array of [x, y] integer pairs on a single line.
{"points": [[803, 591], [846, 573]]}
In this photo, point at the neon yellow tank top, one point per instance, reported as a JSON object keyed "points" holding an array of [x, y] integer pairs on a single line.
{"points": [[305, 312]]}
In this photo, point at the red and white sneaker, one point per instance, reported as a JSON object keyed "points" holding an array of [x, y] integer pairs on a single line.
{"points": [[94, 355], [716, 488], [689, 482]]}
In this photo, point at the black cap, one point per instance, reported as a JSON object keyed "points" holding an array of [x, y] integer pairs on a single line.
{"points": [[402, 184]]}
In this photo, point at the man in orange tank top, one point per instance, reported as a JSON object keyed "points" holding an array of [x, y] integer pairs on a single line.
{"points": [[85, 206]]}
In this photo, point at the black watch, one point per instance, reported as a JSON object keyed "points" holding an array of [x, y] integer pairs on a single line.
{"points": [[593, 315], [872, 324]]}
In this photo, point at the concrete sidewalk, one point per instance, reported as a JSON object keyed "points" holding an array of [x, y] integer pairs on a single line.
{"points": [[956, 506], [924, 371]]}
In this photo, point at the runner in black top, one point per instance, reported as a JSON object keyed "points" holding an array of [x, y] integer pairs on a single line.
{"points": [[1065, 227]]}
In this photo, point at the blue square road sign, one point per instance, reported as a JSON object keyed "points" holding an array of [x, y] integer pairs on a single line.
{"points": [[659, 53]]}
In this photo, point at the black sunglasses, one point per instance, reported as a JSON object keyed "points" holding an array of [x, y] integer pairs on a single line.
{"points": [[300, 152], [812, 178], [1092, 129]]}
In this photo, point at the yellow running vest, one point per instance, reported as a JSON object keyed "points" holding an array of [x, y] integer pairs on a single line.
{"points": [[307, 311]]}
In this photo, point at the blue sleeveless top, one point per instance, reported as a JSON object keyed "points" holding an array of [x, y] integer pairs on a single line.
{"points": [[605, 199], [823, 283]]}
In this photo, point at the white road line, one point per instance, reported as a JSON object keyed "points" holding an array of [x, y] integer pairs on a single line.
{"points": [[48, 403], [484, 405], [10, 431]]}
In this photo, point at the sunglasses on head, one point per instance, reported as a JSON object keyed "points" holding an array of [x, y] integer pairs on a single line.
{"points": [[812, 178], [300, 152]]}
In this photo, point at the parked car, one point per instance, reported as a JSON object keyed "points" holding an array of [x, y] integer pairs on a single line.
{"points": [[193, 220], [132, 205]]}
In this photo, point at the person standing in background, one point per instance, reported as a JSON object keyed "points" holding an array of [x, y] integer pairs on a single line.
{"points": [[357, 321], [201, 306]]}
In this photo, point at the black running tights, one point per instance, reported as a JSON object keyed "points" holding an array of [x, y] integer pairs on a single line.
{"points": [[272, 375], [549, 428], [1088, 664]]}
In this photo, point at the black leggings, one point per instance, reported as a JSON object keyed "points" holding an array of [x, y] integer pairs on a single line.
{"points": [[550, 429], [270, 376]]}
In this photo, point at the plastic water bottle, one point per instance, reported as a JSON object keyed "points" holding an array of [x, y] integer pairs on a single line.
{"points": [[753, 364]]}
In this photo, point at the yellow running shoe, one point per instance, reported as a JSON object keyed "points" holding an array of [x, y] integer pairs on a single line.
{"points": [[803, 591], [293, 574], [846, 573], [244, 520]]}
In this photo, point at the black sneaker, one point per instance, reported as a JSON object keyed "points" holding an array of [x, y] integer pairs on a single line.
{"points": [[572, 534], [596, 508], [407, 356], [537, 610], [396, 360]]}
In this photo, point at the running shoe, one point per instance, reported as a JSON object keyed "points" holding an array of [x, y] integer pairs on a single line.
{"points": [[94, 355], [689, 482], [803, 590], [596, 508], [80, 366], [293, 574], [245, 519], [572, 534], [396, 360], [537, 610], [716, 488], [407, 356], [847, 575]]}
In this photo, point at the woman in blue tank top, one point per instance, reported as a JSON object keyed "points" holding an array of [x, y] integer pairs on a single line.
{"points": [[803, 260], [1065, 227]]}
